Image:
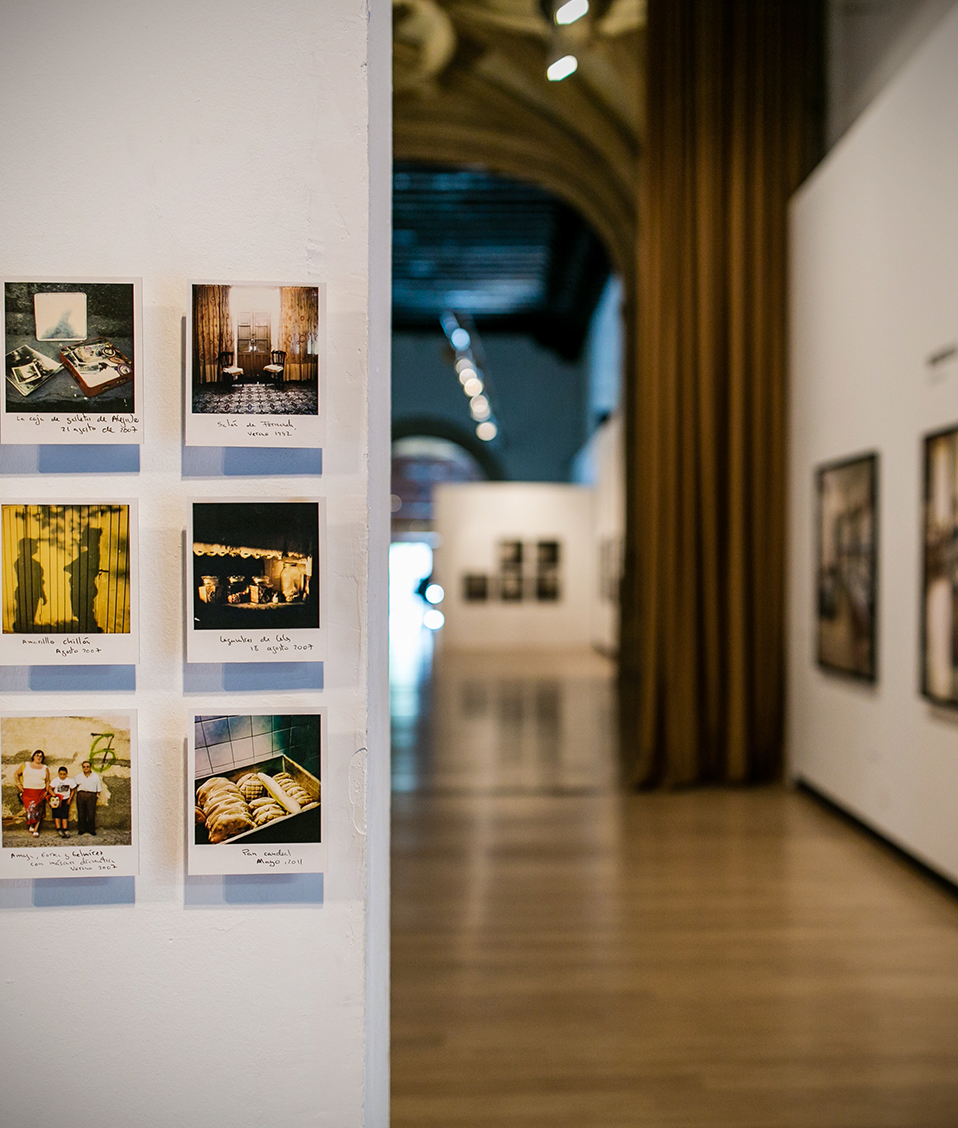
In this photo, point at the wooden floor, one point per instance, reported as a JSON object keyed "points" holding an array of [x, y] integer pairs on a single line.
{"points": [[707, 959]]}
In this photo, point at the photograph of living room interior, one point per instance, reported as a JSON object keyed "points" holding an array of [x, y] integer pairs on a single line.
{"points": [[255, 349]]}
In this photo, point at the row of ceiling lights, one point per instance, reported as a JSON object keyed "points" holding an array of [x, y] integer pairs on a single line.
{"points": [[562, 63], [470, 377]]}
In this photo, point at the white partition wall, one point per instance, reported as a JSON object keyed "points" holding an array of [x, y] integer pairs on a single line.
{"points": [[241, 142], [530, 603], [874, 325]]}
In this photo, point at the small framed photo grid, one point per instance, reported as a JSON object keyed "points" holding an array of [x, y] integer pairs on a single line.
{"points": [[847, 566]]}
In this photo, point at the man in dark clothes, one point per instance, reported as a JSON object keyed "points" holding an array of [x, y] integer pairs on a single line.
{"points": [[87, 793]]}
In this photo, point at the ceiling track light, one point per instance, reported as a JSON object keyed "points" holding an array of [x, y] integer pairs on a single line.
{"points": [[562, 68], [465, 342], [570, 11]]}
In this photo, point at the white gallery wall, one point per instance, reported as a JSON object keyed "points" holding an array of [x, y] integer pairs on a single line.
{"points": [[601, 465], [471, 520], [608, 531], [874, 295], [240, 142]]}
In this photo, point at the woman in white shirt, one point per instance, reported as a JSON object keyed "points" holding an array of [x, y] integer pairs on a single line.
{"points": [[33, 783]]}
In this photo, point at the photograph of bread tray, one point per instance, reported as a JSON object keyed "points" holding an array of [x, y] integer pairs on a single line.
{"points": [[254, 793], [68, 789], [939, 611], [255, 581], [847, 579], [72, 364], [68, 581], [256, 364]]}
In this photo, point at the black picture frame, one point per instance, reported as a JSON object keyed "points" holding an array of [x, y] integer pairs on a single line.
{"points": [[846, 566], [939, 574]]}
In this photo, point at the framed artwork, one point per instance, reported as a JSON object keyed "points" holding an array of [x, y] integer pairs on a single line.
{"points": [[72, 361], [254, 581], [69, 794], [69, 583], [939, 604], [254, 793], [255, 364], [475, 587], [846, 568], [548, 588]]}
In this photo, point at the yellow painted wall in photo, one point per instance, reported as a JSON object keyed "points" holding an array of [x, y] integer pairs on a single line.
{"points": [[66, 568]]}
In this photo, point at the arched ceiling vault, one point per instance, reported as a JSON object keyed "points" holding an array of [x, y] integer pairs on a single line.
{"points": [[470, 89]]}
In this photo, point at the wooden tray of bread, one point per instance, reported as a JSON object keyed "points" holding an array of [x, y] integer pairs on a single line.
{"points": [[274, 800]]}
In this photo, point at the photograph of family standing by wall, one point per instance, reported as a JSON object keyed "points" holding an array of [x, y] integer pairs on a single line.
{"points": [[67, 785]]}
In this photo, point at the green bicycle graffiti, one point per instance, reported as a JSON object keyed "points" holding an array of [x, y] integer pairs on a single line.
{"points": [[102, 753]]}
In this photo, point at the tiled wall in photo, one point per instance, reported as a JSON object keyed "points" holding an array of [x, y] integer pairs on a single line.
{"points": [[224, 743]]}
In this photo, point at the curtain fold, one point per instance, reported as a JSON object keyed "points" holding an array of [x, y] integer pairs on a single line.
{"points": [[702, 655], [299, 331], [212, 331]]}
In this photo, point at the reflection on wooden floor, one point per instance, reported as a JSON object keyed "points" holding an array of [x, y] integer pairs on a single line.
{"points": [[707, 959]]}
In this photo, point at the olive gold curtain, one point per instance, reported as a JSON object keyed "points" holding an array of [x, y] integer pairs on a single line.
{"points": [[299, 331], [212, 331], [702, 655]]}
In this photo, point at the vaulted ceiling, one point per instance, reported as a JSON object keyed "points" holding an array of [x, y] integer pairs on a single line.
{"points": [[471, 93]]}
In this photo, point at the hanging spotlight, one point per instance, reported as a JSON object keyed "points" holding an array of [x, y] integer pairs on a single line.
{"points": [[562, 68], [487, 431], [571, 11], [479, 407], [472, 387]]}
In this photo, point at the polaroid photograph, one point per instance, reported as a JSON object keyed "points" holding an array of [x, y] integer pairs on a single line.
{"points": [[72, 361], [939, 614], [846, 598], [255, 365], [253, 793], [68, 794], [68, 583], [254, 581]]}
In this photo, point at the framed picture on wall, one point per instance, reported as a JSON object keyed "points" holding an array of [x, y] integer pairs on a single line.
{"points": [[254, 582], [72, 361], [846, 567], [68, 579], [255, 364], [254, 793], [939, 610], [69, 794]]}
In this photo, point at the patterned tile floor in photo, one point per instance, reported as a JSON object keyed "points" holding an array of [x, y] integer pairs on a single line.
{"points": [[256, 399]]}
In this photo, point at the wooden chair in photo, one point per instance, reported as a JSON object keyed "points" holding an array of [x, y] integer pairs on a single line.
{"points": [[276, 368], [229, 372]]}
